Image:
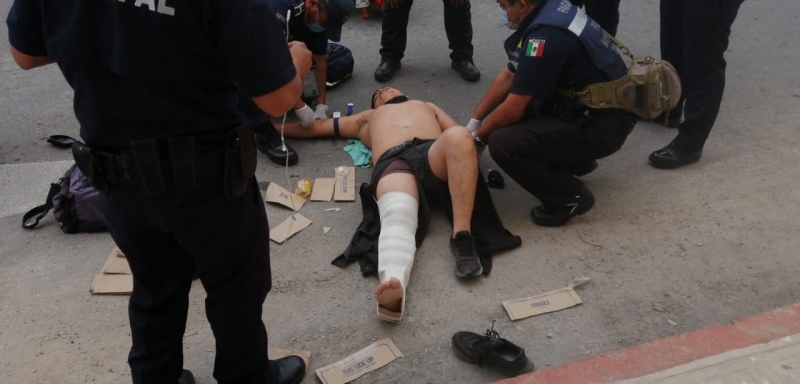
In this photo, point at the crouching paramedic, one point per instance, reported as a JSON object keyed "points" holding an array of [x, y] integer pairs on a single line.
{"points": [[423, 156], [157, 103]]}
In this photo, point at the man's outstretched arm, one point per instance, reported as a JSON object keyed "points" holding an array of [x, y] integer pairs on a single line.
{"points": [[350, 127]]}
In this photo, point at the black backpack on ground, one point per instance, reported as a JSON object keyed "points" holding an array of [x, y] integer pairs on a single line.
{"points": [[340, 64], [75, 204]]}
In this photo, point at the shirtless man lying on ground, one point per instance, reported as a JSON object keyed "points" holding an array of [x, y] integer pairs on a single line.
{"points": [[420, 142]]}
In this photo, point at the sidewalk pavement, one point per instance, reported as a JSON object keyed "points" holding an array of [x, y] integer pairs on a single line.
{"points": [[761, 349]]}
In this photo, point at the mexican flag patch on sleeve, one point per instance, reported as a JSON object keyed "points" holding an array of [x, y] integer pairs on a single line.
{"points": [[535, 48]]}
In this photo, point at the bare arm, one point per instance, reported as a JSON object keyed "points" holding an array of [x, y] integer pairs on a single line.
{"points": [[350, 127], [445, 121], [277, 102], [27, 62], [510, 111], [497, 92]]}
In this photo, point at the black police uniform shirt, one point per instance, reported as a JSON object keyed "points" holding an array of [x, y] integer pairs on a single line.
{"points": [[317, 43], [145, 69], [547, 58]]}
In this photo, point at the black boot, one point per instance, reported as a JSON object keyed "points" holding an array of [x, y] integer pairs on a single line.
{"points": [[556, 215], [186, 377], [674, 156], [268, 141], [467, 69], [288, 370], [386, 70]]}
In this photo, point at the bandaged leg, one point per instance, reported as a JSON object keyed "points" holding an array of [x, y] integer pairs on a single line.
{"points": [[396, 248]]}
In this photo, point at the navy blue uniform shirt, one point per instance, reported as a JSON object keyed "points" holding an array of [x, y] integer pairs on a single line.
{"points": [[155, 68], [547, 58]]}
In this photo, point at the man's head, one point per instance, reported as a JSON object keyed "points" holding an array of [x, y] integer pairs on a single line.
{"points": [[383, 95], [336, 14], [516, 10]]}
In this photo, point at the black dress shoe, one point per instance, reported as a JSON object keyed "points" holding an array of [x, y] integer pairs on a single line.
{"points": [[468, 264], [673, 156], [493, 350], [288, 370], [386, 70], [552, 215], [467, 69], [270, 145], [186, 377]]}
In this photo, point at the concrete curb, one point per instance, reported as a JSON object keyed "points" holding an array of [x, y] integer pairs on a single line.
{"points": [[672, 351]]}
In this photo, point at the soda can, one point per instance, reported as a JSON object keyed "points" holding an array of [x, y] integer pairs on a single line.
{"points": [[349, 109]]}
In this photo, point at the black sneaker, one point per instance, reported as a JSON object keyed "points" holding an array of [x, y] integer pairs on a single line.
{"points": [[186, 377], [552, 215], [468, 264], [493, 350]]}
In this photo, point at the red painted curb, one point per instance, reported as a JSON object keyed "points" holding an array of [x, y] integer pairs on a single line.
{"points": [[672, 351]]}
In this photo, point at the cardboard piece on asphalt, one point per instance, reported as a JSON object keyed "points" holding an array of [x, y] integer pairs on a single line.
{"points": [[104, 284], [277, 194], [352, 367], [545, 303], [345, 184], [279, 353], [325, 230], [323, 189], [288, 228], [116, 264]]}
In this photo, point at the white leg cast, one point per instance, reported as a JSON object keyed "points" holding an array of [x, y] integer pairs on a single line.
{"points": [[397, 244]]}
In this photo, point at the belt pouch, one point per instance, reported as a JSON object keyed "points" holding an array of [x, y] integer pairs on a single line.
{"points": [[148, 163], [184, 164], [240, 161], [86, 163]]}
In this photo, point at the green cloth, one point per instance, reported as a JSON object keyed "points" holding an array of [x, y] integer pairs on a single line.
{"points": [[359, 152]]}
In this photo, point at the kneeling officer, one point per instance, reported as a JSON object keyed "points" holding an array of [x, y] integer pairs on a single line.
{"points": [[156, 98], [541, 139]]}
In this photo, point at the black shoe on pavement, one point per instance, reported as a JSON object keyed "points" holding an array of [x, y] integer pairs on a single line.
{"points": [[674, 156], [493, 350], [467, 69], [186, 377], [468, 264], [557, 215], [270, 145], [386, 70], [288, 370]]}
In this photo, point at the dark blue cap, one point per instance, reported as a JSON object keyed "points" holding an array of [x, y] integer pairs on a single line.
{"points": [[338, 12]]}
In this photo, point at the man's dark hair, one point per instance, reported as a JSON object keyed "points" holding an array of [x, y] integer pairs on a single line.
{"points": [[372, 99]]}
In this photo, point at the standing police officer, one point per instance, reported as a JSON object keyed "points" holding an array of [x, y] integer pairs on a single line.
{"points": [[157, 103], [694, 36], [541, 139], [313, 22]]}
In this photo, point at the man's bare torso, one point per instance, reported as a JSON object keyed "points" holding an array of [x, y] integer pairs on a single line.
{"points": [[392, 124]]}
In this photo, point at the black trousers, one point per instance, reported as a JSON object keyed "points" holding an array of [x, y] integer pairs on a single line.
{"points": [[166, 239], [457, 24], [604, 12], [694, 36], [537, 152]]}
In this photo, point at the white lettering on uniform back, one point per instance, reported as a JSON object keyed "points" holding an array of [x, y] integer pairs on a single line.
{"points": [[165, 9], [150, 4]]}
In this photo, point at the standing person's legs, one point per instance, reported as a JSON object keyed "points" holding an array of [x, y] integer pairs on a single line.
{"points": [[398, 206], [700, 63], [393, 39], [162, 277], [605, 13], [458, 26]]}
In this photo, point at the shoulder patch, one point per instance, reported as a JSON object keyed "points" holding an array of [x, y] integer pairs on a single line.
{"points": [[535, 47]]}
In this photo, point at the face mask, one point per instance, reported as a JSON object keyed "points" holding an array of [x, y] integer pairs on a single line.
{"points": [[505, 21]]}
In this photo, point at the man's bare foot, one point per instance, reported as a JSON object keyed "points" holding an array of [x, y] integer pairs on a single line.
{"points": [[390, 295]]}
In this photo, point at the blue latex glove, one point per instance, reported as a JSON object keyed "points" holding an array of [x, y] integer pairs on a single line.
{"points": [[359, 152]]}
